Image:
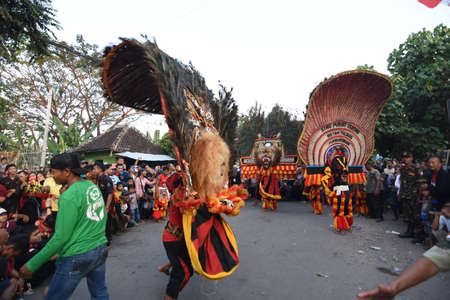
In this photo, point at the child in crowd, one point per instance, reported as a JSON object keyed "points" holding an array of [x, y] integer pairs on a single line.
{"points": [[147, 207], [129, 183], [35, 243], [425, 200], [14, 246], [162, 178], [46, 225], [441, 223], [162, 201], [125, 211], [119, 189], [134, 207], [4, 222]]}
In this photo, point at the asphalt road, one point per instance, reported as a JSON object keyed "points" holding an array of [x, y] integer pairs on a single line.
{"points": [[280, 254]]}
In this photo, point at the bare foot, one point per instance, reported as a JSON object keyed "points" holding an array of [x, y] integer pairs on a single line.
{"points": [[165, 269]]}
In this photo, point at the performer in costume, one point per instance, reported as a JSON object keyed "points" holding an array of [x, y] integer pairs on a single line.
{"points": [[161, 203], [338, 137], [196, 236], [340, 197], [268, 163], [267, 157], [360, 200]]}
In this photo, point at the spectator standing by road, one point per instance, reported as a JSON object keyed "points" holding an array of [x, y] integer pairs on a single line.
{"points": [[105, 184], [372, 189], [79, 237], [409, 176], [438, 182]]}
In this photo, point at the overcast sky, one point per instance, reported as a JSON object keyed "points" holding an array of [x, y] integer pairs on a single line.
{"points": [[268, 51]]}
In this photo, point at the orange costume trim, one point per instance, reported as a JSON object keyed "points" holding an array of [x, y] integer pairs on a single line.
{"points": [[315, 198], [361, 203], [342, 210], [269, 188], [161, 204]]}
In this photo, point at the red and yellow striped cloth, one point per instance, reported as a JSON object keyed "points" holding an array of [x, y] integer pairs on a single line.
{"points": [[284, 171]]}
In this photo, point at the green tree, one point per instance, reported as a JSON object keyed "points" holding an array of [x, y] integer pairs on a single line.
{"points": [[69, 136], [78, 95], [26, 25], [248, 128], [156, 136], [365, 67], [277, 121], [166, 144], [415, 117], [282, 121]]}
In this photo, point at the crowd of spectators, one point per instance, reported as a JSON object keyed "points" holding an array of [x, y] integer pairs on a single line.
{"points": [[419, 200], [29, 206], [417, 192]]}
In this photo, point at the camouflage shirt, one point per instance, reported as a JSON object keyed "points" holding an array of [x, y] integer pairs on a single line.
{"points": [[409, 175]]}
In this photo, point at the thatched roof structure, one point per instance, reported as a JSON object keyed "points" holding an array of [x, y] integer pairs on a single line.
{"points": [[121, 139]]}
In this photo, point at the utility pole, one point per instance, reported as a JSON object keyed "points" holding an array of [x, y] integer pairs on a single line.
{"points": [[47, 124]]}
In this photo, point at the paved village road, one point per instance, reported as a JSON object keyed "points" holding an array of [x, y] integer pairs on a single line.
{"points": [[280, 254]]}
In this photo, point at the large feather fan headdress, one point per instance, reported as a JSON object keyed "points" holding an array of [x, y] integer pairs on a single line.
{"points": [[341, 117], [145, 78]]}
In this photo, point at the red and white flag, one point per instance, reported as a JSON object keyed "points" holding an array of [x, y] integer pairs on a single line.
{"points": [[432, 3]]}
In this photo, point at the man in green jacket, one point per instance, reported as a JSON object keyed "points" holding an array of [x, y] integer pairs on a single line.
{"points": [[79, 239]]}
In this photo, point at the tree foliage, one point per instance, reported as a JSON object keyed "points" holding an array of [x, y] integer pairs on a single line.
{"points": [[249, 126], [365, 67], [26, 25], [415, 117], [69, 136], [277, 121], [166, 144], [77, 94]]}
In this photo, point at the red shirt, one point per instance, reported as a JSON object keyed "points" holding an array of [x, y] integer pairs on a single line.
{"points": [[162, 180], [434, 179], [175, 216], [9, 266], [3, 191]]}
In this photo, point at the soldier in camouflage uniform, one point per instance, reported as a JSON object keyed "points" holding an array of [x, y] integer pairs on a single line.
{"points": [[409, 176]]}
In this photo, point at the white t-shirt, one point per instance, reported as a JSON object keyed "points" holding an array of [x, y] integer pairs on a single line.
{"points": [[389, 171], [397, 183], [123, 208], [444, 222]]}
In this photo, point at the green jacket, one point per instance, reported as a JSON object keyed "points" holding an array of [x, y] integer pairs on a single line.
{"points": [[80, 224]]}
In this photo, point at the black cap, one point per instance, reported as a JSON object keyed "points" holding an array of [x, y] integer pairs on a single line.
{"points": [[100, 164], [9, 166], [407, 154], [125, 193], [67, 161]]}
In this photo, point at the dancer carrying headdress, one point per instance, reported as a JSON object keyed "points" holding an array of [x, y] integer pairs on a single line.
{"points": [[338, 136], [269, 164], [196, 236]]}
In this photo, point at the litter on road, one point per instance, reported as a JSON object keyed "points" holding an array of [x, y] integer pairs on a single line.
{"points": [[318, 274]]}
